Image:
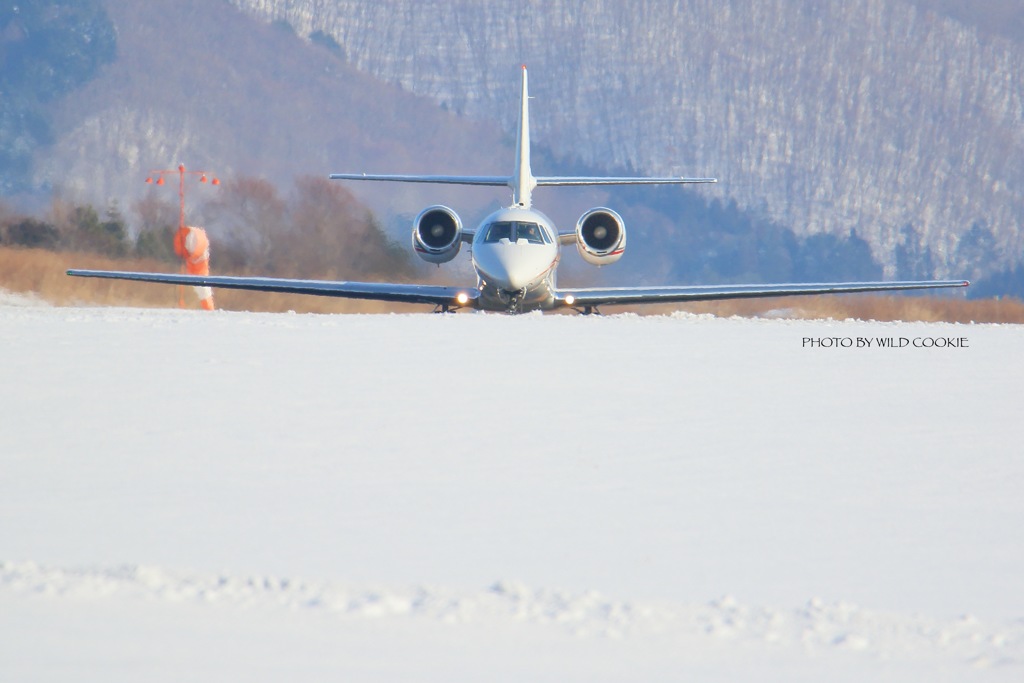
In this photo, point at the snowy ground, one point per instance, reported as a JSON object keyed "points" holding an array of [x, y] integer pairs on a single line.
{"points": [[235, 496]]}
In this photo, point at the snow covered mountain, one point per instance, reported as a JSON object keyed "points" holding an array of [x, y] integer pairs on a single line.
{"points": [[873, 116]]}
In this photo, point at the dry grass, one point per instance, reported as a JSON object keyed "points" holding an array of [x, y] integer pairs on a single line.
{"points": [[42, 273]]}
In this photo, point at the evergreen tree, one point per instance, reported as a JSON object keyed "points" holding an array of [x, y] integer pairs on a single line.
{"points": [[156, 243], [89, 233], [31, 232]]}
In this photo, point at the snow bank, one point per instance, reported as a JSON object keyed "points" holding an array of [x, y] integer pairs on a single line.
{"points": [[814, 626]]}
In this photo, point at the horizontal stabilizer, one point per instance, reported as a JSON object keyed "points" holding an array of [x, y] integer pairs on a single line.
{"points": [[508, 181], [440, 179], [570, 180]]}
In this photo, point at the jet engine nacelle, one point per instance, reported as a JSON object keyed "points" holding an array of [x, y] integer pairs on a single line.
{"points": [[437, 234], [600, 236]]}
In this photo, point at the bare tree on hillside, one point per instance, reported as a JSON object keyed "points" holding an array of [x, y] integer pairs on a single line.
{"points": [[249, 212], [334, 236]]}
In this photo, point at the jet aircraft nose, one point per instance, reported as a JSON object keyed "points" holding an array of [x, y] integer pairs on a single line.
{"points": [[513, 266], [506, 271]]}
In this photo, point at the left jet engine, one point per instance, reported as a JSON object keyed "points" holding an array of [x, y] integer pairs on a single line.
{"points": [[437, 234]]}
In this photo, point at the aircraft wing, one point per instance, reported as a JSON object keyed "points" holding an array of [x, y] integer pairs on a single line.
{"points": [[380, 291], [652, 295]]}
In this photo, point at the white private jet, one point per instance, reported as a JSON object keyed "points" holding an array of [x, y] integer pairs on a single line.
{"points": [[515, 253]]}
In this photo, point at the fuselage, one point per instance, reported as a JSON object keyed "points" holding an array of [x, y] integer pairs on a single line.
{"points": [[515, 254]]}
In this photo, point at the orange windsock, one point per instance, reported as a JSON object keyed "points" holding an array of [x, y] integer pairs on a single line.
{"points": [[193, 246]]}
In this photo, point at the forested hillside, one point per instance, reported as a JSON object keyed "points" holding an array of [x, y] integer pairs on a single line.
{"points": [[47, 49]]}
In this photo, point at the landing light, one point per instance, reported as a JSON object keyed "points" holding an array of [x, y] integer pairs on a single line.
{"points": [[462, 298], [570, 300]]}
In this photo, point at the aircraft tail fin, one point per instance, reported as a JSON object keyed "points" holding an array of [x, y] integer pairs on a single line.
{"points": [[522, 180]]}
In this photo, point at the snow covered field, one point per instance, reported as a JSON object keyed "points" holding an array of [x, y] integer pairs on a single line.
{"points": [[261, 497]]}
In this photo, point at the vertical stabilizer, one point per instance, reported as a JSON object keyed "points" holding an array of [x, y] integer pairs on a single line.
{"points": [[523, 181]]}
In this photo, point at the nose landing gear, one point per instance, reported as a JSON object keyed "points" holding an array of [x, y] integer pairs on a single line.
{"points": [[514, 300]]}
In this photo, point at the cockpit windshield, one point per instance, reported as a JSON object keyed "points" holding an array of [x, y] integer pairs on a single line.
{"points": [[530, 232], [513, 231], [499, 230]]}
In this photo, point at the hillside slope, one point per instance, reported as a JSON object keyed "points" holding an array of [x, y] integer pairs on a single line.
{"points": [[200, 83]]}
